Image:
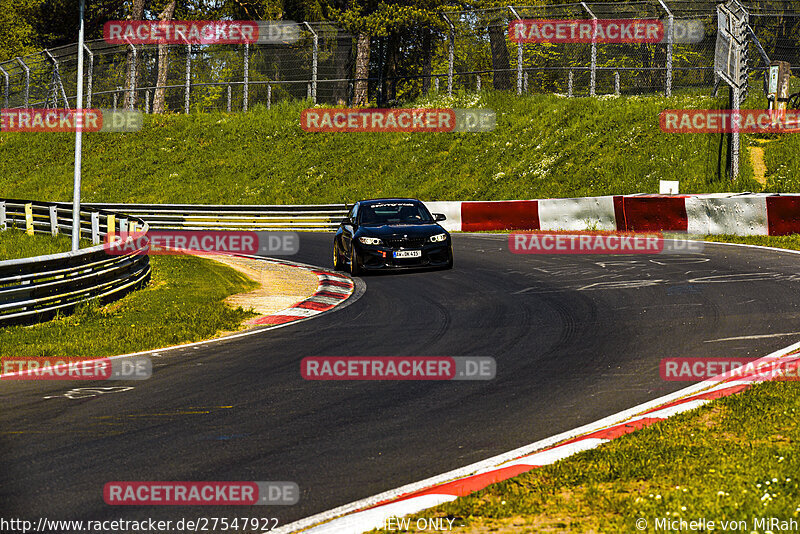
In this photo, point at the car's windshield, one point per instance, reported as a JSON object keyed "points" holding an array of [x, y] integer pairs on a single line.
{"points": [[394, 213]]}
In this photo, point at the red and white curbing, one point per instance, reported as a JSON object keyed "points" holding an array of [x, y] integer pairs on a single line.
{"points": [[719, 213], [332, 290], [373, 512]]}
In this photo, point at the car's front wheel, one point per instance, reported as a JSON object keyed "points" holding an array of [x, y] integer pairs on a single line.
{"points": [[355, 268]]}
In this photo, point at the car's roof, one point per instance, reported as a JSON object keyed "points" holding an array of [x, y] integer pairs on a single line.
{"points": [[383, 200]]}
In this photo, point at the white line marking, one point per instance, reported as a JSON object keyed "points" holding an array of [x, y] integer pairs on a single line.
{"points": [[760, 336]]}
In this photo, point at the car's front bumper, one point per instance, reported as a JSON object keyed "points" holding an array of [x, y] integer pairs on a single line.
{"points": [[382, 257]]}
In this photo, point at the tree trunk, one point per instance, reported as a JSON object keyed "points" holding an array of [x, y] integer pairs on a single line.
{"points": [[362, 70], [159, 99], [343, 60], [427, 60], [500, 62], [132, 72]]}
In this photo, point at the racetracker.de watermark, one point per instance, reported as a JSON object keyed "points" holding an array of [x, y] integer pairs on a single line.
{"points": [[132, 368], [700, 369], [604, 31], [199, 242], [136, 32], [398, 368], [201, 493], [397, 120], [601, 243], [729, 121], [69, 120]]}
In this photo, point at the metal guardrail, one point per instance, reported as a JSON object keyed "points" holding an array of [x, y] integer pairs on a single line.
{"points": [[231, 217], [35, 289]]}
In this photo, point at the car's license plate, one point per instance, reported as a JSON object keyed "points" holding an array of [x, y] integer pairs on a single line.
{"points": [[407, 253]]}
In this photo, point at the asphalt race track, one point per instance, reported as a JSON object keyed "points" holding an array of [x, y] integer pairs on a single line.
{"points": [[576, 338]]}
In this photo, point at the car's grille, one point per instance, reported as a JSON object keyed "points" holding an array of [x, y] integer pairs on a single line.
{"points": [[404, 242]]}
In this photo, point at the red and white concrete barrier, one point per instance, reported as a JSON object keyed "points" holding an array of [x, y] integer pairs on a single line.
{"points": [[722, 213]]}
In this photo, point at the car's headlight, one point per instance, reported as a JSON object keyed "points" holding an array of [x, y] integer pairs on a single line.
{"points": [[438, 237], [370, 240]]}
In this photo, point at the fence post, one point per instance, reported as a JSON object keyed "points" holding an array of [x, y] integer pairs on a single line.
{"points": [[29, 218], [593, 77], [670, 38], [89, 77], [95, 228], [314, 56], [308, 90], [616, 83], [478, 85], [525, 84], [569, 84], [269, 95], [188, 77], [246, 75], [53, 220], [451, 45], [5, 85], [115, 95], [436, 84], [229, 98], [57, 78], [519, 56], [27, 81], [132, 81], [3, 223], [146, 101]]}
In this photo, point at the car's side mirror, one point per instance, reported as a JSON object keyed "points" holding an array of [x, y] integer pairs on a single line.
{"points": [[439, 217], [348, 220]]}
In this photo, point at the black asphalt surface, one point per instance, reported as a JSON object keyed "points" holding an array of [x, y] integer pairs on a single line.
{"points": [[576, 338]]}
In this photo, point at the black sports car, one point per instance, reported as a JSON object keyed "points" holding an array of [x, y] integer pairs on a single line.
{"points": [[392, 233]]}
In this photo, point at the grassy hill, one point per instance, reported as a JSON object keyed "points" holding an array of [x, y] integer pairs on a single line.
{"points": [[543, 146]]}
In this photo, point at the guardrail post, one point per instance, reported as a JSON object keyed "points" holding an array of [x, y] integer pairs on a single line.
{"points": [[95, 228], [188, 77], [110, 224], [246, 87], [27, 82], [3, 223], [593, 77], [89, 72], [5, 86], [53, 220], [314, 58], [29, 218], [123, 229]]}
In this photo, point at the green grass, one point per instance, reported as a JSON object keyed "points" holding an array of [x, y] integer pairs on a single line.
{"points": [[734, 459], [182, 303], [544, 146], [15, 244]]}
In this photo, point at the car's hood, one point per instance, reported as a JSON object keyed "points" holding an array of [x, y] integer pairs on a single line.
{"points": [[400, 230]]}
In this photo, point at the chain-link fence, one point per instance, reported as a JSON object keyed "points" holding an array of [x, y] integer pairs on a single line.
{"points": [[469, 50]]}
